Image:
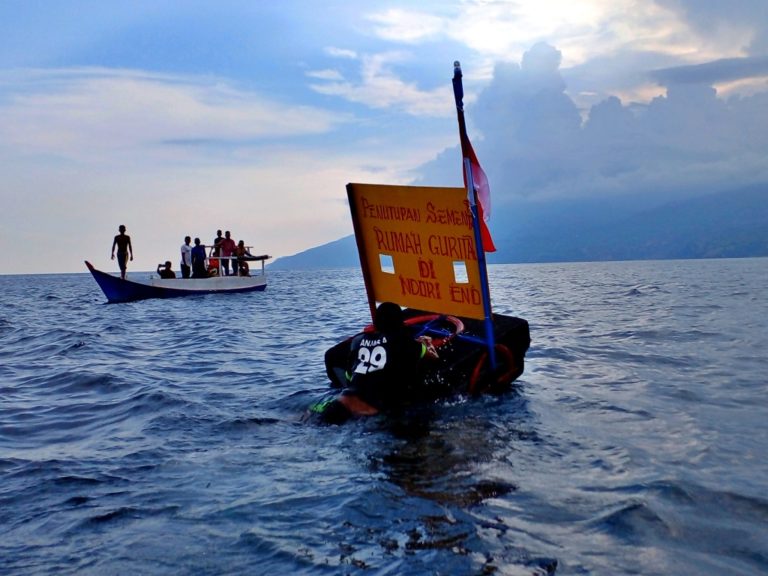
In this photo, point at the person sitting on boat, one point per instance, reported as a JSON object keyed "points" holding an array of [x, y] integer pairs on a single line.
{"points": [[164, 270], [213, 267], [213, 261], [199, 268], [243, 255], [383, 368]]}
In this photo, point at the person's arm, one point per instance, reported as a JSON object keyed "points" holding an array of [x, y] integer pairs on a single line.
{"points": [[428, 349], [354, 346], [130, 248]]}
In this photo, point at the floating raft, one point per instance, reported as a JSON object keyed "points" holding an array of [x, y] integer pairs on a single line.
{"points": [[463, 366]]}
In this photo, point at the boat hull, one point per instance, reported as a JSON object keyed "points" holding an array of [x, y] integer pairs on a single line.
{"points": [[119, 290]]}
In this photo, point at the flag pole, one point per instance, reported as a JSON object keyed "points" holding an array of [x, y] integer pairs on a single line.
{"points": [[458, 92]]}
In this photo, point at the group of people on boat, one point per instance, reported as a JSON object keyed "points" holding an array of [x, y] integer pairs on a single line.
{"points": [[196, 263]]}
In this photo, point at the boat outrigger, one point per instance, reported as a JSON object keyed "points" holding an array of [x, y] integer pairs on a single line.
{"points": [[424, 249], [119, 290]]}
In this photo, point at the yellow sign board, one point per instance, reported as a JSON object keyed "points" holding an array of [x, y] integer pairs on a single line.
{"points": [[417, 247]]}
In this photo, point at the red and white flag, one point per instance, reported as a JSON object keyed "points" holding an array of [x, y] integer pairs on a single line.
{"points": [[479, 179], [483, 195]]}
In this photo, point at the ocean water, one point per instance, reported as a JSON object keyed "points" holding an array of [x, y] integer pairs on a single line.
{"points": [[166, 437]]}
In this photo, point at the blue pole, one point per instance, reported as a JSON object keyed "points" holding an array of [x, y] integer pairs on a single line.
{"points": [[490, 336]]}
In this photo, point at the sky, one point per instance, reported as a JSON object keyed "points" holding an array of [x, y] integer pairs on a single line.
{"points": [[179, 118]]}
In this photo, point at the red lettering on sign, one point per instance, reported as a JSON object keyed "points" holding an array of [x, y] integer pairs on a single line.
{"points": [[454, 247], [389, 212], [427, 269], [402, 242], [464, 294], [421, 288], [449, 216]]}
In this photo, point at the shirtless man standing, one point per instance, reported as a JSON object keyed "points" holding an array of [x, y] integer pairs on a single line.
{"points": [[123, 243]]}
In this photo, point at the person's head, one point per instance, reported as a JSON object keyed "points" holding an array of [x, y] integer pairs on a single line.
{"points": [[389, 317], [187, 239], [121, 228], [226, 234], [241, 243], [218, 233], [167, 264], [197, 241]]}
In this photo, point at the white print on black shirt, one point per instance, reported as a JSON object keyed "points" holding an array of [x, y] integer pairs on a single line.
{"points": [[371, 356]]}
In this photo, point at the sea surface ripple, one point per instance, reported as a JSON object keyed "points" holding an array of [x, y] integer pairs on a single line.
{"points": [[166, 436]]}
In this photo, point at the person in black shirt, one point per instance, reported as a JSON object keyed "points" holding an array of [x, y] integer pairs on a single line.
{"points": [[199, 268], [384, 363], [164, 270], [382, 368]]}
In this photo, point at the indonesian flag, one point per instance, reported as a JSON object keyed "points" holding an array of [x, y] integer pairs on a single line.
{"points": [[483, 195]]}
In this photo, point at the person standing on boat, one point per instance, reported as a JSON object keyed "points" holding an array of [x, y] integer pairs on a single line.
{"points": [[217, 244], [228, 247], [199, 268], [186, 257], [124, 250]]}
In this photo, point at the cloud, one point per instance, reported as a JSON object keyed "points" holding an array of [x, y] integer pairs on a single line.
{"points": [[407, 26], [502, 31], [327, 74], [620, 73], [279, 199], [341, 53], [710, 73], [533, 141], [379, 87], [607, 48], [85, 113], [743, 23], [87, 149]]}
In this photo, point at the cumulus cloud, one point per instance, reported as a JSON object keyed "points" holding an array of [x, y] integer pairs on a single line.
{"points": [[608, 48], [533, 141], [502, 31]]}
